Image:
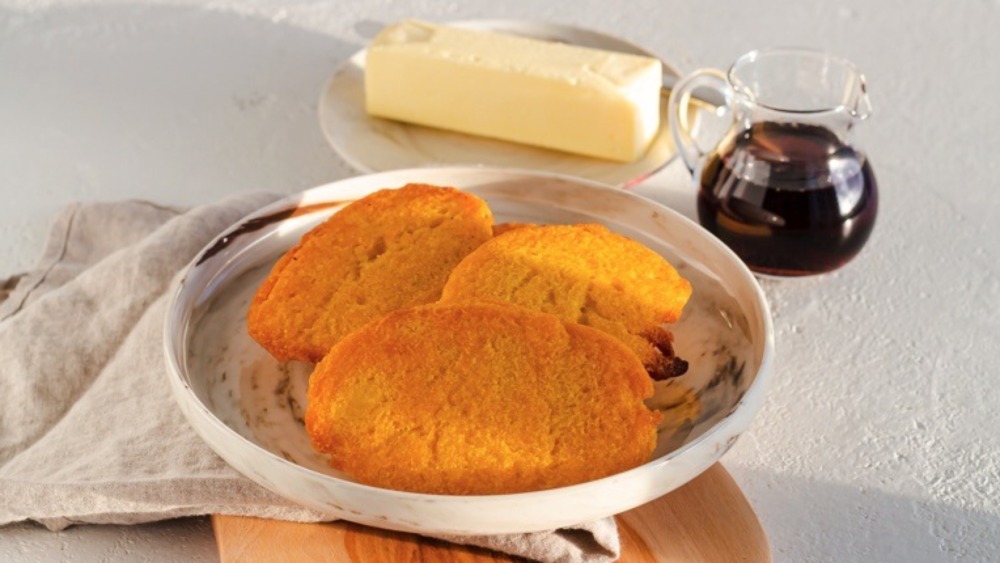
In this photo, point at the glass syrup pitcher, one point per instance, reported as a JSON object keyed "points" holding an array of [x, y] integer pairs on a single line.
{"points": [[786, 187]]}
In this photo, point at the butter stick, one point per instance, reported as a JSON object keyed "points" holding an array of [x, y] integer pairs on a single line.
{"points": [[586, 101]]}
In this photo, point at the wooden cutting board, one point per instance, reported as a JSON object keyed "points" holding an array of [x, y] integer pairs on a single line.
{"points": [[707, 520]]}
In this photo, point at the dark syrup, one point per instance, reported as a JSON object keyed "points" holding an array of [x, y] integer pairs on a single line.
{"points": [[790, 200]]}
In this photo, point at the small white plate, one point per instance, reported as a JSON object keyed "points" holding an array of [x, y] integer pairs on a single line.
{"points": [[371, 144], [248, 407]]}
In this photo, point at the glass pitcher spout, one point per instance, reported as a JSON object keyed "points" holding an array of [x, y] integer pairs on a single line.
{"points": [[858, 103]]}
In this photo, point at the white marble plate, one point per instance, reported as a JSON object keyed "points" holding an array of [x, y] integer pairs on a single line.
{"points": [[248, 407], [371, 144]]}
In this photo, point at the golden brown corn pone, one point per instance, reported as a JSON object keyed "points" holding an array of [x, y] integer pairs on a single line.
{"points": [[479, 399], [585, 274], [389, 250]]}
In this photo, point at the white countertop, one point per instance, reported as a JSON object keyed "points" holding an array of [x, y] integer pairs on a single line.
{"points": [[880, 439]]}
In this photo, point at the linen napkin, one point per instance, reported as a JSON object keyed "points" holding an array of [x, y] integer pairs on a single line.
{"points": [[89, 430]]}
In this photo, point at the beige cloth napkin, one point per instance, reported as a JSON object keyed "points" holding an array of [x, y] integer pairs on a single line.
{"points": [[89, 431]]}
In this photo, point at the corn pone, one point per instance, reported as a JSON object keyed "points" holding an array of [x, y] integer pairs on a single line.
{"points": [[479, 398], [587, 101]]}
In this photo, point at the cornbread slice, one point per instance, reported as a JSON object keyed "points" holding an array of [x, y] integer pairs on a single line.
{"points": [[479, 399], [585, 274], [389, 250]]}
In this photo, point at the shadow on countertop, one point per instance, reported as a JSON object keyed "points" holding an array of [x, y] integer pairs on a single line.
{"points": [[809, 520]]}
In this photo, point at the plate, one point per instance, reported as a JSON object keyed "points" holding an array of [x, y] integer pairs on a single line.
{"points": [[372, 144], [249, 408]]}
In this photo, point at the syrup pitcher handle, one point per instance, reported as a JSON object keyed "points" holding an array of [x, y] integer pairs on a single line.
{"points": [[679, 111]]}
